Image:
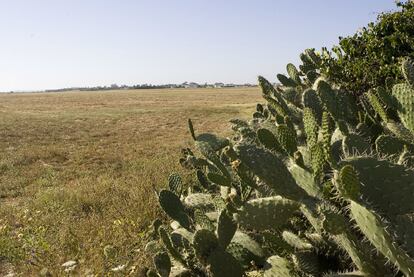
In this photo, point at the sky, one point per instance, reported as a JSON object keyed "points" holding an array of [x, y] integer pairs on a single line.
{"points": [[48, 44]]}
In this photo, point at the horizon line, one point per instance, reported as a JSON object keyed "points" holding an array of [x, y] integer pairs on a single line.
{"points": [[116, 86]]}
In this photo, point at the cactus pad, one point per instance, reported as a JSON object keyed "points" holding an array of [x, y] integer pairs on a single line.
{"points": [[172, 206], [266, 213], [226, 228], [293, 73], [204, 243], [162, 263], [271, 170], [380, 179], [404, 93]]}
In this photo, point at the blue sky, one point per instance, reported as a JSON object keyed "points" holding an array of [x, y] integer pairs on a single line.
{"points": [[60, 43]]}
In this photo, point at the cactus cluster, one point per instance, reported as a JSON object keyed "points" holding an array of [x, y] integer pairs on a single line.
{"points": [[317, 183]]}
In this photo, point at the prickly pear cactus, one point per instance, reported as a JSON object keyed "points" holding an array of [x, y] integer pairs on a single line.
{"points": [[317, 183]]}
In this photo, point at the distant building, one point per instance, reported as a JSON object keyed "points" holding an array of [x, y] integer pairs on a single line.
{"points": [[218, 85], [229, 85], [190, 85]]}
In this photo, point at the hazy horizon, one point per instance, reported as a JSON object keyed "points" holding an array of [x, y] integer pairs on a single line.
{"points": [[55, 44]]}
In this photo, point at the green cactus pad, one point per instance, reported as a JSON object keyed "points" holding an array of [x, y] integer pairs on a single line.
{"points": [[175, 183], [307, 63], [360, 252], [400, 131], [361, 255], [385, 97], [311, 126], [246, 250], [312, 76], [377, 106], [307, 262], [317, 159], [215, 142], [312, 56], [266, 213], [162, 263], [295, 241], [355, 144], [389, 146], [328, 97], [305, 180], [226, 228], [236, 124], [291, 95], [202, 179], [326, 132], [404, 93], [166, 240], [375, 230], [271, 170], [388, 186], [181, 237], [293, 73], [268, 139], [286, 136], [323, 244], [334, 222], [298, 159], [286, 81], [245, 174], [273, 97], [310, 99], [343, 127], [347, 182], [223, 264], [202, 221], [276, 107], [403, 225], [212, 157], [218, 179], [172, 206], [204, 243]]}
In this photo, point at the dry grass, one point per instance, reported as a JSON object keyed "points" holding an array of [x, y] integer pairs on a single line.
{"points": [[77, 170]]}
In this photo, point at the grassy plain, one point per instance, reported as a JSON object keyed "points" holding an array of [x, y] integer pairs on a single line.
{"points": [[77, 170]]}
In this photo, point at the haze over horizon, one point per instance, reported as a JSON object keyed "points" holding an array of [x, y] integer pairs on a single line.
{"points": [[57, 44]]}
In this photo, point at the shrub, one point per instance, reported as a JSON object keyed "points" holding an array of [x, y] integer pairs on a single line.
{"points": [[371, 57]]}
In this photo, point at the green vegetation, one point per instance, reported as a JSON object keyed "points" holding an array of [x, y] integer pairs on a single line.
{"points": [[313, 185], [319, 182], [371, 57]]}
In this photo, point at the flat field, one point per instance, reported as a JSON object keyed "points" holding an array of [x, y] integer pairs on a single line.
{"points": [[77, 170]]}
